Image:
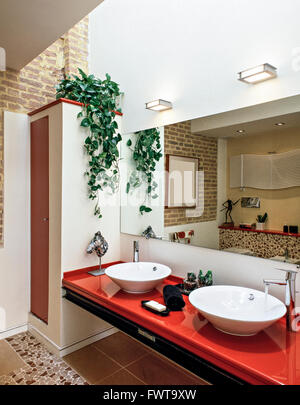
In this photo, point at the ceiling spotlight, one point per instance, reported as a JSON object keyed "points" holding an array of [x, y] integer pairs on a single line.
{"points": [[240, 131], [159, 105], [258, 74], [279, 124]]}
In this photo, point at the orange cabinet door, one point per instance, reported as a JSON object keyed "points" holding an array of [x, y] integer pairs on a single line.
{"points": [[39, 149]]}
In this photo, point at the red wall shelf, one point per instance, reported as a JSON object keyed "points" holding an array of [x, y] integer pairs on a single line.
{"points": [[268, 231], [61, 100]]}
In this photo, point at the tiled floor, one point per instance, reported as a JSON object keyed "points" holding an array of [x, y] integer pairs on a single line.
{"points": [[25, 361], [115, 360], [119, 359]]}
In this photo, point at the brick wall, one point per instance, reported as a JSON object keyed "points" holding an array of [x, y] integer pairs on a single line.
{"points": [[180, 141], [34, 86]]}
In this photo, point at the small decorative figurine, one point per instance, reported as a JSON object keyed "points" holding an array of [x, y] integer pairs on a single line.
{"points": [[228, 206], [205, 281], [190, 282], [99, 245], [208, 279], [149, 233], [201, 279]]}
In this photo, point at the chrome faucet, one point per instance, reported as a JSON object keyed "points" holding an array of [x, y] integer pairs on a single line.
{"points": [[136, 251], [286, 254], [290, 296], [149, 233]]}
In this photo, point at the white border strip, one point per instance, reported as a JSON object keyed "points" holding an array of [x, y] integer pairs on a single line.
{"points": [[13, 331]]}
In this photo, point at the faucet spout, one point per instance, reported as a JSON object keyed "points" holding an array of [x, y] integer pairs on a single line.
{"points": [[290, 297], [136, 251], [286, 254]]}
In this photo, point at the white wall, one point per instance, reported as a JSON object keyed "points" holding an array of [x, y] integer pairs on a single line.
{"points": [[14, 254], [79, 224], [189, 52]]}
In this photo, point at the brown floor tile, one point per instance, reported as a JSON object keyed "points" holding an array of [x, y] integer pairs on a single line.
{"points": [[121, 348], [9, 360], [189, 373], [91, 364], [121, 377], [155, 370]]}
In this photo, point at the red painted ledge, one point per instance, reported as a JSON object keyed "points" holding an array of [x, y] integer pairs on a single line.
{"points": [[268, 231], [61, 100]]}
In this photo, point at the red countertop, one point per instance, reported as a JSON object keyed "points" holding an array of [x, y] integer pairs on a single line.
{"points": [[270, 357]]}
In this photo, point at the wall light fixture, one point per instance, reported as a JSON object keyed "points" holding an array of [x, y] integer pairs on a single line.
{"points": [[258, 74], [159, 105]]}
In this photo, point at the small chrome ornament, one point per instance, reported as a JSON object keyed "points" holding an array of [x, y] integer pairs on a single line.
{"points": [[149, 233], [99, 245], [251, 297]]}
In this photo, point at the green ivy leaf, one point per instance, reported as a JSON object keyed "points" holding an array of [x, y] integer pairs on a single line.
{"points": [[85, 122], [143, 209]]}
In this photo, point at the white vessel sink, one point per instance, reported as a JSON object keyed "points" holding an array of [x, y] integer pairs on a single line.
{"points": [[237, 310], [138, 277], [284, 260]]}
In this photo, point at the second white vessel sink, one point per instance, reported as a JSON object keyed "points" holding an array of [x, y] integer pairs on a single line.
{"points": [[237, 310], [138, 277], [283, 259]]}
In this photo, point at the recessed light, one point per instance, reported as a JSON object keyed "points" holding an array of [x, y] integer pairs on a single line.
{"points": [[279, 124], [258, 74], [159, 105], [240, 131]]}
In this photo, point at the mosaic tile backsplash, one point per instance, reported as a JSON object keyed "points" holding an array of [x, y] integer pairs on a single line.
{"points": [[261, 244]]}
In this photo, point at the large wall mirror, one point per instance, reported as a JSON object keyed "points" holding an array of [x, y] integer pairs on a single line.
{"points": [[235, 187]]}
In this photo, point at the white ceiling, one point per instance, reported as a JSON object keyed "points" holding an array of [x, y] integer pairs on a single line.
{"points": [[28, 27], [253, 120], [256, 127]]}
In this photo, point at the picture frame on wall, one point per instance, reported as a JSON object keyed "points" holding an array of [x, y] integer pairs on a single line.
{"points": [[181, 181], [250, 202]]}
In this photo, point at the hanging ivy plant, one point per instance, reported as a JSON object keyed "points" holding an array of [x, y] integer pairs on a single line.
{"points": [[99, 98], [146, 153]]}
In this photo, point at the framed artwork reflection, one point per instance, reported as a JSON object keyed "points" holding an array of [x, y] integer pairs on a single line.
{"points": [[181, 185]]}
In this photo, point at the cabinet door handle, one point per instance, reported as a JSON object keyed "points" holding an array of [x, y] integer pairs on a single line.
{"points": [[45, 219]]}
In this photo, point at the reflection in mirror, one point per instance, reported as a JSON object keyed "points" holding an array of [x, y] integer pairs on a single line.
{"points": [[181, 181], [141, 182], [229, 188]]}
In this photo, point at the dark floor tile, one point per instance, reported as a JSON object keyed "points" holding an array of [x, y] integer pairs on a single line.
{"points": [[155, 370], [121, 348], [91, 364], [122, 377]]}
